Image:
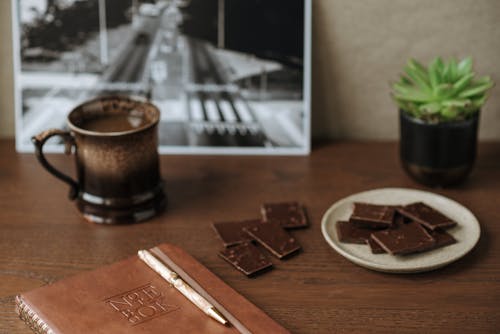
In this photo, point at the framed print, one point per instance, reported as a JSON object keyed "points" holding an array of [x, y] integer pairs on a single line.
{"points": [[228, 76]]}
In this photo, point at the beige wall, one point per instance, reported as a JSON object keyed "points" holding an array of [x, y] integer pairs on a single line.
{"points": [[359, 46]]}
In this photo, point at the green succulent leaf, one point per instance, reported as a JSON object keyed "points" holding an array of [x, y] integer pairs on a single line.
{"points": [[400, 86], [418, 68], [449, 113], [444, 91], [462, 83], [475, 90], [405, 80], [418, 75], [435, 73], [453, 70], [439, 66], [465, 66], [430, 108], [478, 102], [483, 80], [446, 76], [415, 96], [456, 103]]}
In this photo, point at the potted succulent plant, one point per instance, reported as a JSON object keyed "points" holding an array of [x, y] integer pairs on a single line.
{"points": [[439, 109]]}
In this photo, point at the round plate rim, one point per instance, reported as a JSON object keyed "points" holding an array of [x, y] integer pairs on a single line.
{"points": [[389, 268]]}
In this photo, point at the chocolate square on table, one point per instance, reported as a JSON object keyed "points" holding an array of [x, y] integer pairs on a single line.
{"points": [[274, 238], [350, 233], [231, 233], [247, 258], [288, 214], [404, 239], [372, 215], [426, 215]]}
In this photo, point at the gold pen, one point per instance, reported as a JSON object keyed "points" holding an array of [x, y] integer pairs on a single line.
{"points": [[181, 286]]}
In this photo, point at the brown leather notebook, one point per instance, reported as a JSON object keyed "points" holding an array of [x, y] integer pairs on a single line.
{"points": [[129, 297]]}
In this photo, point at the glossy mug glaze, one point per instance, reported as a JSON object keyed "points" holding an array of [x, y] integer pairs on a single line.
{"points": [[115, 140]]}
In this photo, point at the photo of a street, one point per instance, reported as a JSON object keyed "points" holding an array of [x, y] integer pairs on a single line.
{"points": [[228, 76]]}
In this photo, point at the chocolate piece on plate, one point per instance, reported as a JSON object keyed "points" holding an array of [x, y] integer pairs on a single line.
{"points": [[350, 233], [246, 258], [442, 238], [375, 247], [231, 233], [288, 214], [426, 215], [404, 239], [372, 215], [399, 219], [274, 238]]}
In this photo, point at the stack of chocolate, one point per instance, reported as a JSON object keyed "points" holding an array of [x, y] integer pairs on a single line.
{"points": [[397, 230], [243, 238]]}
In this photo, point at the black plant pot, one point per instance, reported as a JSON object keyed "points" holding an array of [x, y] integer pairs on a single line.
{"points": [[438, 154]]}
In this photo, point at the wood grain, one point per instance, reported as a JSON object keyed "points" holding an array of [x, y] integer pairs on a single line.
{"points": [[43, 238]]}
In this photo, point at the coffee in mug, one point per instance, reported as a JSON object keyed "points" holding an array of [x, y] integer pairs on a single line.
{"points": [[115, 141]]}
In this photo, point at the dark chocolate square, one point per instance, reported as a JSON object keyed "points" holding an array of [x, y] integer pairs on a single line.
{"points": [[287, 214], [274, 238], [231, 233], [426, 215], [246, 258], [375, 247], [350, 233], [404, 239], [372, 215], [442, 238]]}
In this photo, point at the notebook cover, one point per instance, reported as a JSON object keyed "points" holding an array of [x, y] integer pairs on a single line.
{"points": [[129, 297]]}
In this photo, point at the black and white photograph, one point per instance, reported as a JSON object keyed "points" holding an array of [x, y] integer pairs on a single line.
{"points": [[228, 76]]}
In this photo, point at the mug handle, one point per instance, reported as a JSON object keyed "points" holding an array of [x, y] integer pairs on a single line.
{"points": [[39, 140]]}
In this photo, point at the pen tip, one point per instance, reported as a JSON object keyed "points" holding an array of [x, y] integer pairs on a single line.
{"points": [[214, 313]]}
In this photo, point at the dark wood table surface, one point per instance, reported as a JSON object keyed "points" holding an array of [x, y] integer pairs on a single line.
{"points": [[44, 239]]}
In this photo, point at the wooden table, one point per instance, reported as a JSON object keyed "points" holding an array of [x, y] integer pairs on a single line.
{"points": [[43, 238]]}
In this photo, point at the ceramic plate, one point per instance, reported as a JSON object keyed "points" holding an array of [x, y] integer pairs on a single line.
{"points": [[466, 232]]}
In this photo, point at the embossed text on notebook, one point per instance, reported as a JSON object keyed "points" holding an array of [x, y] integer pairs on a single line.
{"points": [[140, 304]]}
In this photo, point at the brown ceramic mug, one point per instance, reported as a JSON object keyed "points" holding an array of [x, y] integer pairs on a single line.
{"points": [[115, 141]]}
